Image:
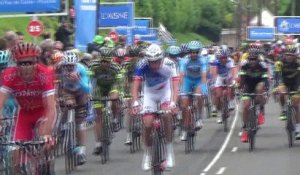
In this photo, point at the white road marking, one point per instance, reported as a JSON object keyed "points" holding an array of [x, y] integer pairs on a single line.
{"points": [[225, 143], [203, 174], [234, 149], [221, 170]]}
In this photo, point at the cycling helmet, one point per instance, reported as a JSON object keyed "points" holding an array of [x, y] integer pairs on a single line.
{"points": [[253, 53], [106, 53], [291, 50], [173, 50], [98, 39], [154, 53], [57, 57], [4, 56], [256, 44], [25, 50], [184, 48], [120, 52], [194, 46], [222, 53], [70, 57], [87, 56], [133, 51]]}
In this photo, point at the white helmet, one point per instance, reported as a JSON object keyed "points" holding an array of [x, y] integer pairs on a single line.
{"points": [[70, 57], [154, 53]]}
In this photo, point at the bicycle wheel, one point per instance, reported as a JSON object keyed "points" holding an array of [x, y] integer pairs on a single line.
{"points": [[225, 113], [208, 106], [158, 153], [105, 139], [290, 125], [252, 127], [134, 136]]}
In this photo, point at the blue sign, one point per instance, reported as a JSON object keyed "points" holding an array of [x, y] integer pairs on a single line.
{"points": [[129, 37], [121, 30], [142, 26], [113, 15], [86, 15], [288, 25], [17, 6], [261, 33]]}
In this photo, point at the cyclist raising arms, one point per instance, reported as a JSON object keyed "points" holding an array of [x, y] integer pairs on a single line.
{"points": [[32, 86], [160, 86], [253, 77], [193, 77]]}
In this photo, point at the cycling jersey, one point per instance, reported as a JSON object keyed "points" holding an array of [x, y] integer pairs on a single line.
{"points": [[192, 71], [223, 71], [156, 84], [251, 76], [70, 85], [158, 80], [290, 75], [106, 80], [278, 66], [193, 68], [29, 96]]}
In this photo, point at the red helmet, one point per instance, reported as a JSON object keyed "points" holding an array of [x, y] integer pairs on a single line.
{"points": [[25, 50]]}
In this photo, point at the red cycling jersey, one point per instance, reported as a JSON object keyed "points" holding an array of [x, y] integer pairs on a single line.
{"points": [[29, 96]]}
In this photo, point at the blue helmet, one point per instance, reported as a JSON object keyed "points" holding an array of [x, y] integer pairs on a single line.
{"points": [[4, 56], [195, 46], [221, 53], [184, 48], [173, 50]]}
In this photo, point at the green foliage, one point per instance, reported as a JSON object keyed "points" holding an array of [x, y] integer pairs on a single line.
{"points": [[206, 17]]}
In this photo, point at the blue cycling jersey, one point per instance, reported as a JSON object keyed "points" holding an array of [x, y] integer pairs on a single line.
{"points": [[223, 69], [82, 85], [193, 68]]}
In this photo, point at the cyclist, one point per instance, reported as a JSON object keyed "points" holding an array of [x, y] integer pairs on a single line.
{"points": [[129, 64], [32, 86], [10, 105], [160, 85], [74, 89], [193, 77], [223, 71], [253, 77], [290, 78], [107, 83], [173, 53]]}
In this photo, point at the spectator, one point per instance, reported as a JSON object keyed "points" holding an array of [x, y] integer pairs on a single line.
{"points": [[47, 47], [11, 39], [3, 44], [58, 45], [63, 34], [72, 14], [46, 35], [95, 46], [20, 37]]}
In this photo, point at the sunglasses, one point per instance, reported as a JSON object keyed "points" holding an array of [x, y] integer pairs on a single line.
{"points": [[25, 63], [194, 52]]}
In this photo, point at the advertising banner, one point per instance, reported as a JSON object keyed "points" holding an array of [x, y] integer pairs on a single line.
{"points": [[287, 25], [86, 14], [261, 33], [25, 6], [116, 14], [142, 26]]}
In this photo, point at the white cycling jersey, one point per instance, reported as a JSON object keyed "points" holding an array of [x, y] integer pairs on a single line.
{"points": [[156, 84]]}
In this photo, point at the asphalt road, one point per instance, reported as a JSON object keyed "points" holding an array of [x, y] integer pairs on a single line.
{"points": [[216, 152]]}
